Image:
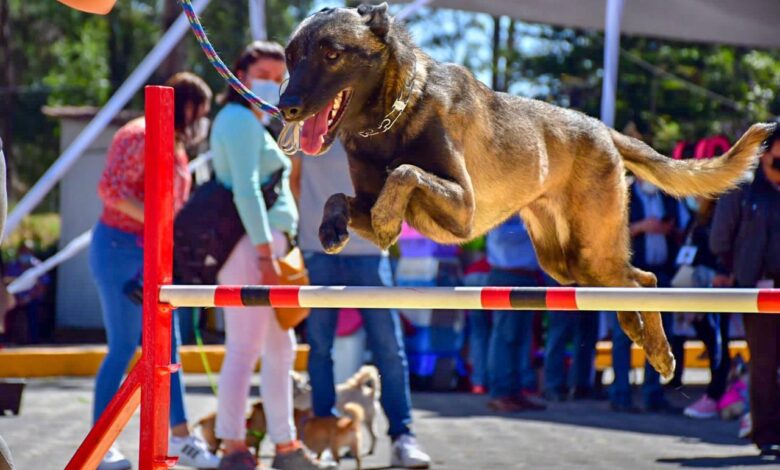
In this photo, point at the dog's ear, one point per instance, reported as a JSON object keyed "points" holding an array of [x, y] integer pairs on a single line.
{"points": [[376, 17]]}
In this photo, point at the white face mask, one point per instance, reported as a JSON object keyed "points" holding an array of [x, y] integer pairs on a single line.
{"points": [[648, 187], [268, 91]]}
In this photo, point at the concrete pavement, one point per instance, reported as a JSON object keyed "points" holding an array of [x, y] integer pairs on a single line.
{"points": [[456, 429]]}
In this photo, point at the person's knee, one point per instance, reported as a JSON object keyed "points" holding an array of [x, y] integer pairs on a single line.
{"points": [[121, 351], [242, 353]]}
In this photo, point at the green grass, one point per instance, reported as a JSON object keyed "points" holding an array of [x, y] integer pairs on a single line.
{"points": [[43, 229]]}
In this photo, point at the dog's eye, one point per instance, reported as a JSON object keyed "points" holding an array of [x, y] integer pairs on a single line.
{"points": [[332, 55]]}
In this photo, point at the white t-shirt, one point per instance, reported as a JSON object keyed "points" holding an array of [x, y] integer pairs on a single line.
{"points": [[322, 177]]}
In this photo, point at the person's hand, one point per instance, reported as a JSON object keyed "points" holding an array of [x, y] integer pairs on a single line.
{"points": [[269, 267], [269, 272], [655, 225], [723, 280]]}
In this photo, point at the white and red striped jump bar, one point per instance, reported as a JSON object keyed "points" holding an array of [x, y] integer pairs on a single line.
{"points": [[476, 298]]}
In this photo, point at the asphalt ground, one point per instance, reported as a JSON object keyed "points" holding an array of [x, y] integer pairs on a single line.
{"points": [[457, 430]]}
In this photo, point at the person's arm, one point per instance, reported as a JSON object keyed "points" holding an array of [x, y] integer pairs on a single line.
{"points": [[124, 167], [725, 223], [131, 206], [243, 146]]}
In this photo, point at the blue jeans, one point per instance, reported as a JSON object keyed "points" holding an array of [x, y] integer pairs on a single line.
{"points": [[383, 334], [509, 356], [713, 330], [620, 390], [479, 341], [582, 328], [114, 259]]}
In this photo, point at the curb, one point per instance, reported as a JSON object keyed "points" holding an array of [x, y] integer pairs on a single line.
{"points": [[695, 354], [84, 361]]}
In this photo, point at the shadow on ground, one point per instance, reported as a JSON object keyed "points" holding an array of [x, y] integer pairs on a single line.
{"points": [[596, 414], [721, 462]]}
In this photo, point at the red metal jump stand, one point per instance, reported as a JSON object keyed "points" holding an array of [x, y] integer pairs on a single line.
{"points": [[149, 381]]}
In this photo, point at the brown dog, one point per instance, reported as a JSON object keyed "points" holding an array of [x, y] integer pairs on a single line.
{"points": [[335, 433], [429, 144], [364, 389], [255, 423], [255, 427]]}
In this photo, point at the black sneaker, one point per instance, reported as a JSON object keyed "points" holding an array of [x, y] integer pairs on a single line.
{"points": [[663, 407], [238, 461], [770, 450], [300, 459]]}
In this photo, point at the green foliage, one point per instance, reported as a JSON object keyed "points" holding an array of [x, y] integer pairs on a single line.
{"points": [[63, 57], [79, 72], [670, 90]]}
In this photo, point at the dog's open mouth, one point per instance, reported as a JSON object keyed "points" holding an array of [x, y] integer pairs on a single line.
{"points": [[318, 129]]}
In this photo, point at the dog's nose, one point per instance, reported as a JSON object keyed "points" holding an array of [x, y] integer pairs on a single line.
{"points": [[291, 107]]}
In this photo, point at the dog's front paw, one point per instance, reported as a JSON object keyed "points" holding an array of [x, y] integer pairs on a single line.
{"points": [[334, 235], [387, 228]]}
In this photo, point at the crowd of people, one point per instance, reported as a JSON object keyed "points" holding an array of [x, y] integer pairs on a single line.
{"points": [[731, 242]]}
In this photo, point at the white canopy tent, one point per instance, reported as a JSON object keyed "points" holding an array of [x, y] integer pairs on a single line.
{"points": [[752, 23]]}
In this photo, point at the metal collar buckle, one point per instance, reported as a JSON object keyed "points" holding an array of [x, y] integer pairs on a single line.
{"points": [[399, 106]]}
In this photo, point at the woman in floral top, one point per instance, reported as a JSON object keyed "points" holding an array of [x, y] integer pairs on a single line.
{"points": [[116, 258]]}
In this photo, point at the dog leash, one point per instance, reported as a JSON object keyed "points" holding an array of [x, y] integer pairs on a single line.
{"points": [[289, 138], [221, 68], [202, 354]]}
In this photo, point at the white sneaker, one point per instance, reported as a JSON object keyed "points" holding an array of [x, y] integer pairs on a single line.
{"points": [[745, 426], [192, 452], [406, 453], [114, 460]]}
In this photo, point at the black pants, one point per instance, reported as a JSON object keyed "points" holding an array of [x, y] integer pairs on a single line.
{"points": [[713, 330], [763, 338]]}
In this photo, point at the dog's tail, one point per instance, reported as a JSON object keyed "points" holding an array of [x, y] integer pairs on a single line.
{"points": [[354, 414], [707, 177]]}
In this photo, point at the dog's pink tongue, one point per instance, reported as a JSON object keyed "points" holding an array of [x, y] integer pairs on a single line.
{"points": [[314, 130]]}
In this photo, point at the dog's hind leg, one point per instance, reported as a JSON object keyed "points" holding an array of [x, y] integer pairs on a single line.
{"points": [[541, 226], [446, 202], [656, 345], [551, 236], [600, 254]]}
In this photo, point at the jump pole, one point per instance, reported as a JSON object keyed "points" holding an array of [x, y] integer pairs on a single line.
{"points": [[475, 298], [149, 381]]}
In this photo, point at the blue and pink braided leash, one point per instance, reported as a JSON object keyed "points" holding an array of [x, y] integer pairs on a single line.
{"points": [[222, 69], [289, 138]]}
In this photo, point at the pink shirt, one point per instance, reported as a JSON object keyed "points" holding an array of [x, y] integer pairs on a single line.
{"points": [[123, 177]]}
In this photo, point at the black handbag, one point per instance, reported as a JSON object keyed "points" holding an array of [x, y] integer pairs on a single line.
{"points": [[207, 229]]}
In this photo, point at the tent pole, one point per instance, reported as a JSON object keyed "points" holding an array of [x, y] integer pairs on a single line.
{"points": [[614, 14], [257, 21]]}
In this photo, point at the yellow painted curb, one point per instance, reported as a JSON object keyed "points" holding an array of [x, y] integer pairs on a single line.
{"points": [[84, 361], [695, 354]]}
